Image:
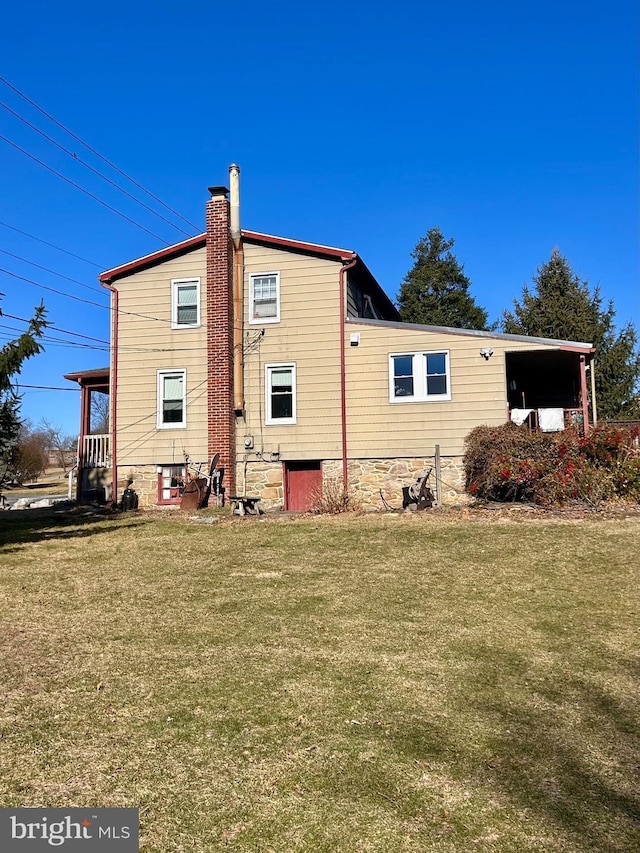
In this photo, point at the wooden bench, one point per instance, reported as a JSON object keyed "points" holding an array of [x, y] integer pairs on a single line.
{"points": [[243, 505]]}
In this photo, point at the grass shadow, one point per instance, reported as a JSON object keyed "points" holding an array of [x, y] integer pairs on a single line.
{"points": [[19, 527], [563, 749]]}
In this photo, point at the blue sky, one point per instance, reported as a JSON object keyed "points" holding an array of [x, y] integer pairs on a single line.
{"points": [[513, 127]]}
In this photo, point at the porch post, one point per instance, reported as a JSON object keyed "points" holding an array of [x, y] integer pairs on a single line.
{"points": [[85, 426], [583, 392], [594, 408]]}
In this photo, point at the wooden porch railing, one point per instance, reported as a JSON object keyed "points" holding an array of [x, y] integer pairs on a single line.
{"points": [[573, 418], [95, 452]]}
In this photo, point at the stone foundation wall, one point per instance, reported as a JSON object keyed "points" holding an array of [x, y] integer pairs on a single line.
{"points": [[367, 477], [262, 479], [145, 483]]}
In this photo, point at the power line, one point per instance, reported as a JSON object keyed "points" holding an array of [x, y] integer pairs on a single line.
{"points": [[91, 168], [82, 189], [53, 272], [97, 153], [44, 387], [53, 246], [51, 341], [79, 298], [53, 289], [56, 329]]}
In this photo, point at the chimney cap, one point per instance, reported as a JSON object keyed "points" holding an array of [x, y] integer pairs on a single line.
{"points": [[217, 191]]}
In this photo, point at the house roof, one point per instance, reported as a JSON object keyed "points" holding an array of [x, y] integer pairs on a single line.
{"points": [[576, 346], [256, 238], [85, 376], [199, 241]]}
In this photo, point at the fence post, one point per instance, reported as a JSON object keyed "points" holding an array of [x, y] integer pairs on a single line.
{"points": [[438, 477]]}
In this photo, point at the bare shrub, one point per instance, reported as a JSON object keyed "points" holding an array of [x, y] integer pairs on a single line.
{"points": [[331, 498]]}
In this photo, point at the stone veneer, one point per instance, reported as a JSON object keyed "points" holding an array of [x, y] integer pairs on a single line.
{"points": [[264, 479], [143, 480], [366, 478]]}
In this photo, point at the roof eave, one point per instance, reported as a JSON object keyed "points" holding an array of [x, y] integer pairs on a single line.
{"points": [[576, 346]]}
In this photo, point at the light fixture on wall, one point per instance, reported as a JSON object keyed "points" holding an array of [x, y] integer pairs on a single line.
{"points": [[486, 353]]}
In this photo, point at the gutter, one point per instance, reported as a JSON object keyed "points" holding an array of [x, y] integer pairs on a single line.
{"points": [[343, 377]]}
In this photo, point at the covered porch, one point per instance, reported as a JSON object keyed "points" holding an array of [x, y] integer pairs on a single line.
{"points": [[93, 466], [551, 390]]}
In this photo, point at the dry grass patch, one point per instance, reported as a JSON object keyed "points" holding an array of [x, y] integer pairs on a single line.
{"points": [[394, 683]]}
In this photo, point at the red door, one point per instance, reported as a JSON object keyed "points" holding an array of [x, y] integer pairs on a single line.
{"points": [[304, 482]]}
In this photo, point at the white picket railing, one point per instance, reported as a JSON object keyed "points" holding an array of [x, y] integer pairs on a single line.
{"points": [[95, 452]]}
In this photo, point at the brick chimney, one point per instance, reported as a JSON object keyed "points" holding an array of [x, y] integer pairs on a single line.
{"points": [[221, 419]]}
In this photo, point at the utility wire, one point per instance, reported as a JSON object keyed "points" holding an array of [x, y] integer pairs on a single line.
{"points": [[82, 189], [56, 329], [91, 169], [53, 246], [53, 272], [51, 341], [53, 290], [97, 153], [79, 299], [44, 387]]}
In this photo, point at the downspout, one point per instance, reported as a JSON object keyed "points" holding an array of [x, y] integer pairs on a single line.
{"points": [[238, 283], [113, 393], [583, 392], [343, 375]]}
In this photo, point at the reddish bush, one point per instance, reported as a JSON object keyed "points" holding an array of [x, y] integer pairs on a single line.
{"points": [[509, 463]]}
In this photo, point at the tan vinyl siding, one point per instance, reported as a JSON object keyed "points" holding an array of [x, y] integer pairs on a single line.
{"points": [[308, 335], [380, 428], [141, 344]]}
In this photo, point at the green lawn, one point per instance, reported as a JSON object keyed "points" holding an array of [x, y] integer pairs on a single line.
{"points": [[432, 682]]}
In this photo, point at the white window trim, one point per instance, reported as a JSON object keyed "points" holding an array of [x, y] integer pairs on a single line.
{"points": [[262, 321], [175, 285], [268, 368], [161, 374], [419, 366]]}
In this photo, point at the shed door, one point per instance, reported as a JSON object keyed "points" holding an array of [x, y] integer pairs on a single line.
{"points": [[304, 481]]}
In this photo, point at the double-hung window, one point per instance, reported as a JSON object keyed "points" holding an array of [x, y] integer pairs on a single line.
{"points": [[172, 399], [185, 303], [264, 298], [419, 376], [280, 393]]}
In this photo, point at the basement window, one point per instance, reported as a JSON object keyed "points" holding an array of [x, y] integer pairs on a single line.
{"points": [[264, 298], [419, 377], [185, 303], [171, 479]]}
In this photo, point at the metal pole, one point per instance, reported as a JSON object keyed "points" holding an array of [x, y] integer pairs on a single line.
{"points": [[438, 476]]}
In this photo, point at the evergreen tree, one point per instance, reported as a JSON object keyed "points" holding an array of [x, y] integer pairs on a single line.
{"points": [[562, 306], [12, 356], [436, 290]]}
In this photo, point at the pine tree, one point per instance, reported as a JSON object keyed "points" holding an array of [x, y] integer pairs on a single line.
{"points": [[562, 306], [12, 356], [435, 291]]}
